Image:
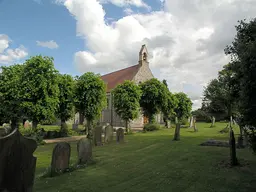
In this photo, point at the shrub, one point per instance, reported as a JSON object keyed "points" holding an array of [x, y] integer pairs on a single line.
{"points": [[151, 127], [250, 131]]}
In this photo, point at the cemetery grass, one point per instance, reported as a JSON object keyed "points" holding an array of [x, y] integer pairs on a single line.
{"points": [[153, 162]]}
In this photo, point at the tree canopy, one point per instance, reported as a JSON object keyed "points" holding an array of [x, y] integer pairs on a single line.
{"points": [[243, 65], [184, 105], [154, 98], [90, 97], [40, 86], [126, 99]]}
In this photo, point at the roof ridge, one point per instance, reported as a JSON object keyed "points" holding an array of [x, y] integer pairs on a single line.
{"points": [[119, 70]]}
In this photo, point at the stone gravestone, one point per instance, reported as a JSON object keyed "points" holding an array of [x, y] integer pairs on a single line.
{"points": [[191, 121], [108, 134], [213, 121], [97, 135], [177, 133], [17, 163], [84, 150], [120, 135], [194, 123], [60, 158], [168, 124]]}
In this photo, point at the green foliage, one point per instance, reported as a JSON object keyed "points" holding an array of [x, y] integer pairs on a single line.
{"points": [[201, 115], [90, 97], [10, 95], [221, 94], [40, 88], [184, 105], [243, 64], [151, 127], [126, 99], [154, 97], [66, 88], [49, 121]]}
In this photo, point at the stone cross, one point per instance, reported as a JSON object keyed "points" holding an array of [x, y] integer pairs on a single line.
{"points": [[120, 135], [84, 150], [60, 158], [108, 134], [17, 163], [97, 135]]}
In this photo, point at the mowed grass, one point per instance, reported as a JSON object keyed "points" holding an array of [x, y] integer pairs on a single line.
{"points": [[153, 162]]}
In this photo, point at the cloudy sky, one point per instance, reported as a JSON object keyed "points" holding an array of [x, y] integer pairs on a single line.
{"points": [[185, 38]]}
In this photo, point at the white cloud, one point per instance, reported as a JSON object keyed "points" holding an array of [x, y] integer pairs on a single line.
{"points": [[185, 39], [48, 44], [128, 11], [125, 3], [7, 55]]}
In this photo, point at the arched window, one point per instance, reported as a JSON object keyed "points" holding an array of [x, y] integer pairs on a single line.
{"points": [[145, 56]]}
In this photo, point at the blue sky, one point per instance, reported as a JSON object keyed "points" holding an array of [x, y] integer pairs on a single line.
{"points": [[28, 21]]}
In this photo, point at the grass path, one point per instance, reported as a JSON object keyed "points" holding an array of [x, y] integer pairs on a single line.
{"points": [[153, 162]]}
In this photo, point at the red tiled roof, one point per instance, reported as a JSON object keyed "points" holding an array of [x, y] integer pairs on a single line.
{"points": [[118, 77]]}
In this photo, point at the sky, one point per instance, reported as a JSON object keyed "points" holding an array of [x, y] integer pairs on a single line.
{"points": [[185, 38]]}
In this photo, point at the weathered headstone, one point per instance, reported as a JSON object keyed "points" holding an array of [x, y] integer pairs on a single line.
{"points": [[232, 143], [74, 126], [194, 124], [177, 132], [120, 135], [17, 163], [108, 134], [168, 124], [97, 135], [60, 158], [191, 122], [213, 121], [84, 150]]}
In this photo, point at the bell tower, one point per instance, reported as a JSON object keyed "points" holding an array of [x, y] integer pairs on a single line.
{"points": [[143, 55]]}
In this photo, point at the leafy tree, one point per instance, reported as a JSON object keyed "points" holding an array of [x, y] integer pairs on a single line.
{"points": [[243, 54], [127, 101], [168, 109], [10, 96], [40, 86], [222, 93], [184, 106], [65, 107], [90, 97], [154, 98]]}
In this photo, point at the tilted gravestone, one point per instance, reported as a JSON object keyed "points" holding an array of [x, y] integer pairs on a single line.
{"points": [[120, 135], [191, 121], [84, 150], [177, 133], [60, 158], [108, 134], [213, 121], [97, 135], [17, 163]]}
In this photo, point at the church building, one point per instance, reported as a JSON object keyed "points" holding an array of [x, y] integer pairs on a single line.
{"points": [[137, 73]]}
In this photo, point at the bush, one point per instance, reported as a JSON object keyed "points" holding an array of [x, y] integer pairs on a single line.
{"points": [[151, 127], [33, 134], [250, 131]]}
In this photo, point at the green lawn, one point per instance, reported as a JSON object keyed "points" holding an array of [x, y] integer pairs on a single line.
{"points": [[153, 162]]}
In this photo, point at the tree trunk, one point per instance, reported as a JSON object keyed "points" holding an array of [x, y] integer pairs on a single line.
{"points": [[165, 122], [34, 124], [126, 126], [14, 124], [63, 126], [232, 143], [89, 129], [177, 132]]}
